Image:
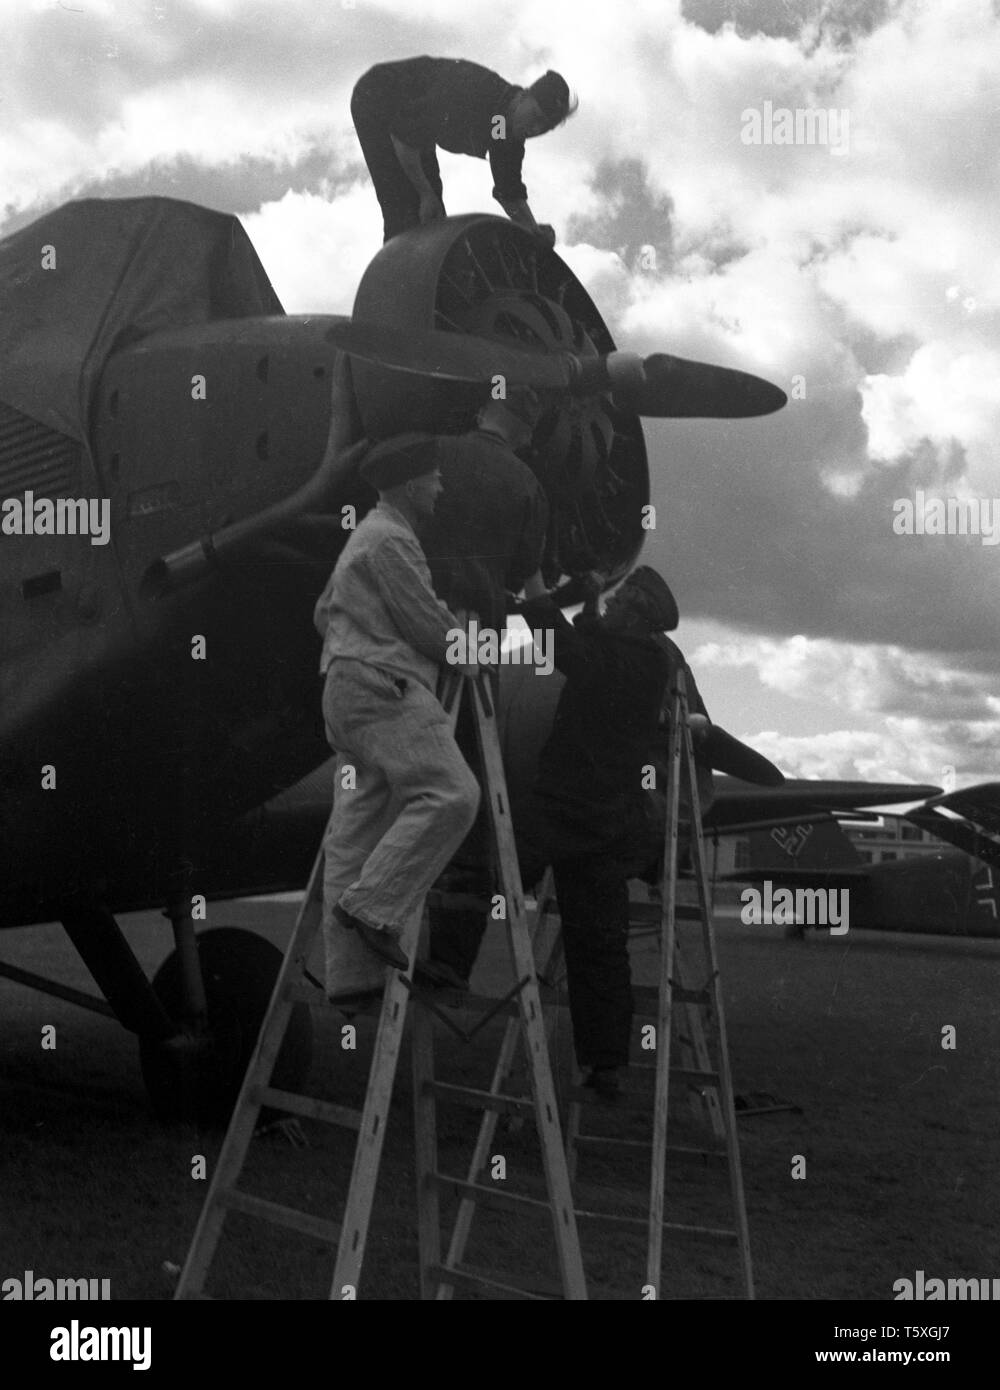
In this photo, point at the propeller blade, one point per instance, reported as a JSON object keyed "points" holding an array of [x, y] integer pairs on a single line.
{"points": [[450, 356], [676, 389], [724, 753]]}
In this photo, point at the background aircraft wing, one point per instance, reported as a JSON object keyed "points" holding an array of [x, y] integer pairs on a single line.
{"points": [[740, 805]]}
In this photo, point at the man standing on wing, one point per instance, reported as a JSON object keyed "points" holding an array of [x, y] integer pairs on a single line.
{"points": [[405, 797], [402, 111]]}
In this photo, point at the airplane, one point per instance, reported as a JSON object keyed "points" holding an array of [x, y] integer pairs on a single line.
{"points": [[942, 891], [169, 512]]}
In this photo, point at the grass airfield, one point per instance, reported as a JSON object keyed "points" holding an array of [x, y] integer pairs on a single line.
{"points": [[900, 1137]]}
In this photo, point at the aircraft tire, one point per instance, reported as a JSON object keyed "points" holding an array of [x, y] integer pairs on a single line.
{"points": [[198, 1080]]}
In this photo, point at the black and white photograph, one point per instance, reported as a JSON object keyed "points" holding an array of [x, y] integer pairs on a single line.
{"points": [[499, 706]]}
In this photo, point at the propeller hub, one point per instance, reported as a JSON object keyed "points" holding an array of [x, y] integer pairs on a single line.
{"points": [[486, 277]]}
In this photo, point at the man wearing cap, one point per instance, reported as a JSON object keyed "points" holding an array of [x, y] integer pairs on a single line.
{"points": [[485, 539], [588, 815], [488, 530], [405, 796], [403, 110]]}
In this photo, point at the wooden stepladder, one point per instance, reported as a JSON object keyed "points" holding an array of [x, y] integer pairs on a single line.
{"points": [[349, 1236], [716, 1084], [710, 1087]]}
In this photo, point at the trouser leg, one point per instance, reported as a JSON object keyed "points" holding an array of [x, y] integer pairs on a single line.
{"points": [[398, 199], [404, 737], [361, 815], [593, 905]]}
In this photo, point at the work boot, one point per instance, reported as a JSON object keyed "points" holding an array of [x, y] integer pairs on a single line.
{"points": [[381, 941]]}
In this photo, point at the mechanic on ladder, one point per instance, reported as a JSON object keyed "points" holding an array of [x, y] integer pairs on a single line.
{"points": [[404, 795], [588, 815]]}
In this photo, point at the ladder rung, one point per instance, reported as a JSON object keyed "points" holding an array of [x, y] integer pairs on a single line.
{"points": [[479, 1100], [676, 1228], [646, 914], [680, 1152], [683, 995], [649, 995], [489, 1196], [304, 994], [702, 1078], [300, 1221], [308, 1106], [463, 1276], [625, 1104]]}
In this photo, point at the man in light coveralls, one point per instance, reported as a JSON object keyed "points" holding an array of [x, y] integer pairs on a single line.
{"points": [[407, 805]]}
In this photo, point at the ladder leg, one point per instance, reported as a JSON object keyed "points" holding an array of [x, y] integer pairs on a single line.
{"points": [[368, 1152], [481, 1153], [425, 1135], [664, 1021], [725, 1071], [705, 1105], [522, 959], [545, 938], [244, 1119]]}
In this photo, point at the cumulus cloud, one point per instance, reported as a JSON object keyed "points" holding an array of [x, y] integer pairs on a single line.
{"points": [[885, 680], [911, 750], [863, 283]]}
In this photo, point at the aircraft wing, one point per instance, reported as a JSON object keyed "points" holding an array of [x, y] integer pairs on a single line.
{"points": [[741, 806], [976, 832]]}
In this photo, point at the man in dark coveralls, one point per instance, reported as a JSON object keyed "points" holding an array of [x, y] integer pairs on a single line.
{"points": [[588, 814], [403, 110]]}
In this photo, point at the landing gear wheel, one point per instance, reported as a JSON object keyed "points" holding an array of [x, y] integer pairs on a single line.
{"points": [[197, 1078]]}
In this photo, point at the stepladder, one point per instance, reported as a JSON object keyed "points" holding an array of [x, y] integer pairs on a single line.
{"points": [[347, 1237], [680, 1046]]}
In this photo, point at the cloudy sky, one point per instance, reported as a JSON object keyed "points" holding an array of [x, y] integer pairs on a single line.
{"points": [[863, 272]]}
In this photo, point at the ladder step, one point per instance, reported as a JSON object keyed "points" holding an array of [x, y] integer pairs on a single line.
{"points": [[702, 1078], [304, 994], [300, 1221], [489, 1196], [677, 1228], [682, 1153], [480, 1100], [464, 1276], [646, 998], [687, 912], [308, 1106], [683, 995]]}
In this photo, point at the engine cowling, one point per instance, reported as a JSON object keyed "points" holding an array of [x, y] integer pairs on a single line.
{"points": [[487, 276]]}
